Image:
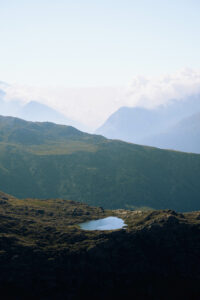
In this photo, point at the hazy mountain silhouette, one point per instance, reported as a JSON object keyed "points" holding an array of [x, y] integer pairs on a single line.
{"points": [[185, 136], [34, 111], [11, 108], [139, 125]]}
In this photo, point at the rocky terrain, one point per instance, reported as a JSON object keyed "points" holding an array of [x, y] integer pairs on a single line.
{"points": [[45, 255]]}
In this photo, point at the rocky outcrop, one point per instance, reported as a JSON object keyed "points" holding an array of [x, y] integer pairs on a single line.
{"points": [[47, 256]]}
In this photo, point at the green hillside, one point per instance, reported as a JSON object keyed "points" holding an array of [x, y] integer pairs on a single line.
{"points": [[45, 160]]}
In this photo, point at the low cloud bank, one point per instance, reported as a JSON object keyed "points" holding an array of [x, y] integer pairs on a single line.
{"points": [[92, 106], [151, 92]]}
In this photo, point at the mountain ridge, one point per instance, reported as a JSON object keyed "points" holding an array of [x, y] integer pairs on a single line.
{"points": [[140, 125], [34, 111], [66, 163], [183, 136]]}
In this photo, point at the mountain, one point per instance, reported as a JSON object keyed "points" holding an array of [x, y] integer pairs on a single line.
{"points": [[45, 160], [35, 111], [2, 94], [130, 124], [45, 254], [185, 136], [8, 108], [138, 124]]}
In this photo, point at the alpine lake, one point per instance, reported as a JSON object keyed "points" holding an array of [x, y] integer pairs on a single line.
{"points": [[109, 223]]}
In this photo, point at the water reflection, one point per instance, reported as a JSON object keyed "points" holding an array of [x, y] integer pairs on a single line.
{"points": [[108, 223]]}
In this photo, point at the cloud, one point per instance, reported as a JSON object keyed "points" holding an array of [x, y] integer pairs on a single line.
{"points": [[151, 92], [92, 106]]}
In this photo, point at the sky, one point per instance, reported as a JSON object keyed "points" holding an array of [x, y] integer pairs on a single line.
{"points": [[100, 55], [84, 43]]}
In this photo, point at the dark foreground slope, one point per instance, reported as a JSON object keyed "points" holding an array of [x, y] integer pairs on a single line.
{"points": [[43, 160], [45, 255]]}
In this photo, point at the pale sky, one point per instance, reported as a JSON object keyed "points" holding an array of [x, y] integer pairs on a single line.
{"points": [[87, 58], [87, 43]]}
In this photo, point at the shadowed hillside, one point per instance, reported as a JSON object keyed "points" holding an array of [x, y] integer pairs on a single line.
{"points": [[45, 255], [44, 160]]}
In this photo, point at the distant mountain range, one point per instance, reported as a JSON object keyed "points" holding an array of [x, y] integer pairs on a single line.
{"points": [[183, 136], [34, 111], [175, 126], [45, 160]]}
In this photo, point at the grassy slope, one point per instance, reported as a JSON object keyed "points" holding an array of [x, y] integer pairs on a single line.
{"points": [[44, 160]]}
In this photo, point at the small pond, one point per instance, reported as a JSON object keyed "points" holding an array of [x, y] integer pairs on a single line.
{"points": [[108, 223]]}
